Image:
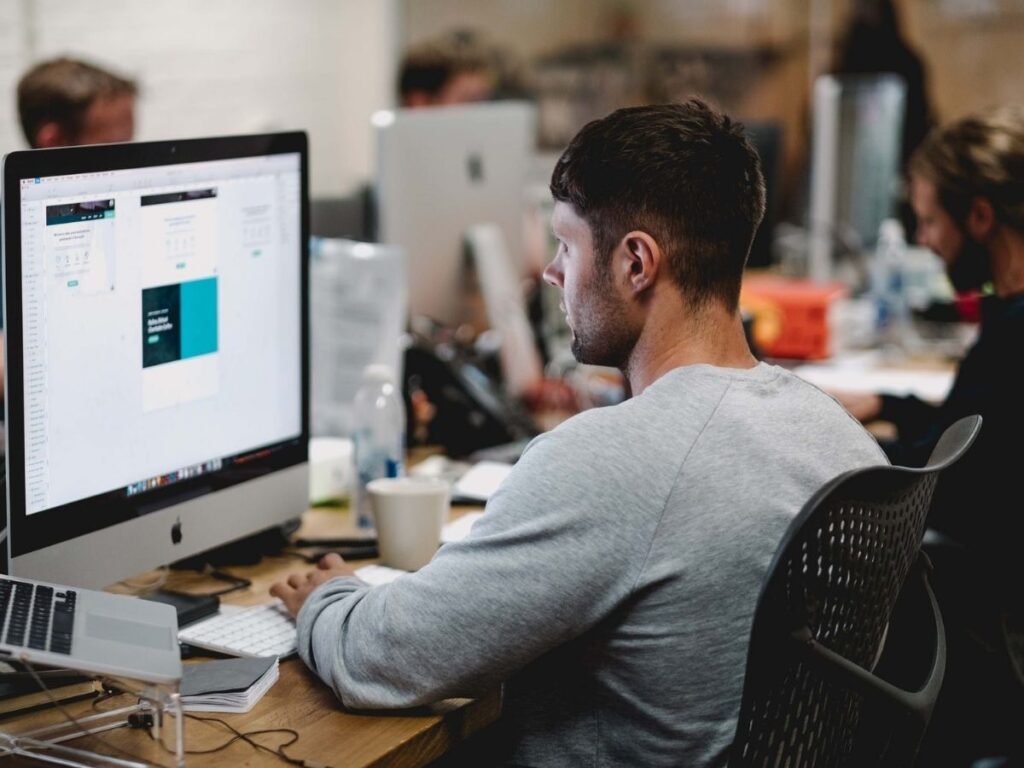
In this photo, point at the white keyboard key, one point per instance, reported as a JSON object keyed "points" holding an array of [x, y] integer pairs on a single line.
{"points": [[259, 630]]}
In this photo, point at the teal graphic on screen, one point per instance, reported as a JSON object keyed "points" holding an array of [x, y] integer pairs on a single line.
{"points": [[179, 321]]}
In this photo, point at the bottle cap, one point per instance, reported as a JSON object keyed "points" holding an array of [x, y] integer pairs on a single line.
{"points": [[890, 229], [379, 372]]}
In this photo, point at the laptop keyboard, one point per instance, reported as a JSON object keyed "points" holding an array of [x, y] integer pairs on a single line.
{"points": [[36, 616]]}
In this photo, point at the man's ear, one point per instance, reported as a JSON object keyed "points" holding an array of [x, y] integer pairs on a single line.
{"points": [[50, 134], [981, 219], [640, 259]]}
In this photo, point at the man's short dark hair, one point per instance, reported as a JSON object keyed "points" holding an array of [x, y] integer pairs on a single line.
{"points": [[429, 67], [683, 173], [62, 90], [977, 156]]}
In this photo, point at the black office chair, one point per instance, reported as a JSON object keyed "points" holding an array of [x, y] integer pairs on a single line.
{"points": [[814, 693]]}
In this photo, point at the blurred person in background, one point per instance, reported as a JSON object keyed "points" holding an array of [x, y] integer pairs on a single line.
{"points": [[873, 43], [64, 102], [445, 72], [967, 190]]}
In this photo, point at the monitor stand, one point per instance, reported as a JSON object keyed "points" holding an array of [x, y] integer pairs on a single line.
{"points": [[247, 551]]}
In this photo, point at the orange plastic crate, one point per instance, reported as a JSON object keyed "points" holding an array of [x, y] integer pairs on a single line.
{"points": [[791, 316]]}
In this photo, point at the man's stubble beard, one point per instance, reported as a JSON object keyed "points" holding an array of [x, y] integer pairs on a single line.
{"points": [[602, 335], [971, 267]]}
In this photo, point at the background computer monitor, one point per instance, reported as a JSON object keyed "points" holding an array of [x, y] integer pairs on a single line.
{"points": [[157, 365], [855, 163], [766, 137], [440, 172]]}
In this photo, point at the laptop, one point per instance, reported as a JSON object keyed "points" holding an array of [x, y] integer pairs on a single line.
{"points": [[82, 629]]}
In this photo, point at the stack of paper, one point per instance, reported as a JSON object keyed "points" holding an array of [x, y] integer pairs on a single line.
{"points": [[378, 574], [868, 373], [480, 482], [228, 685], [459, 529]]}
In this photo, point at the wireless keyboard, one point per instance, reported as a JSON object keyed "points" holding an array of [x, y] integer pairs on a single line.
{"points": [[258, 630], [261, 630]]}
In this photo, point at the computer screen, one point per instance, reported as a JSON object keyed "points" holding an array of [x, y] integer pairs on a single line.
{"points": [[156, 368], [767, 139]]}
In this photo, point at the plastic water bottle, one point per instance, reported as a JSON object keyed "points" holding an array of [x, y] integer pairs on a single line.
{"points": [[378, 435], [892, 317]]}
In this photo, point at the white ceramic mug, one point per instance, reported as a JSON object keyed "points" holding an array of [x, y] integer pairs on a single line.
{"points": [[408, 514]]}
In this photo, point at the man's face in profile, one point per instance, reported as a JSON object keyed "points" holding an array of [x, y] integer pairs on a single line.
{"points": [[594, 310], [966, 259], [108, 119]]}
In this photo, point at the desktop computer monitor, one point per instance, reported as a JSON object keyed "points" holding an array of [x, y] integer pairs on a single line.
{"points": [[156, 348], [766, 138], [855, 164], [439, 173]]}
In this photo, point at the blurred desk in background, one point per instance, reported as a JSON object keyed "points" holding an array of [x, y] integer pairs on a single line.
{"points": [[929, 378]]}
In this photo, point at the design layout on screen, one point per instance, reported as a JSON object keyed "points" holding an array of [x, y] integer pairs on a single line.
{"points": [[161, 313]]}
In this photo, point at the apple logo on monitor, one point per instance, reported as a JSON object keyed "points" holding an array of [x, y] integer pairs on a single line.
{"points": [[176, 532], [475, 168]]}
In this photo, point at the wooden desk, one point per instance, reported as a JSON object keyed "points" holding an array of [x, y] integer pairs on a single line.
{"points": [[299, 700]]}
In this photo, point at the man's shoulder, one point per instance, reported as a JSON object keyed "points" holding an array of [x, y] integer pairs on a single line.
{"points": [[593, 427], [783, 409], [814, 401]]}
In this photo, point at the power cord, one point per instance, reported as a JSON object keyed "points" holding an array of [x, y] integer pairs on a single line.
{"points": [[246, 736], [144, 587], [145, 721], [237, 583]]}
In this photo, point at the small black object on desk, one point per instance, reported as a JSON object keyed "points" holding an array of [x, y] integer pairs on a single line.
{"points": [[190, 608]]}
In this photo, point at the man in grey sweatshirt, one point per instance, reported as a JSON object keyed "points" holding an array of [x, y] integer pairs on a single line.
{"points": [[612, 581]]}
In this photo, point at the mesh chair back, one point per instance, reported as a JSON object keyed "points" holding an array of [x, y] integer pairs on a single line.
{"points": [[836, 577]]}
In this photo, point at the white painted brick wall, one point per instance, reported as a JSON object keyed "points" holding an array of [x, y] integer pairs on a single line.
{"points": [[13, 56], [210, 67]]}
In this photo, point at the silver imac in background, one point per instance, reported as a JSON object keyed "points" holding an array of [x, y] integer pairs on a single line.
{"points": [[156, 338], [855, 164], [440, 172]]}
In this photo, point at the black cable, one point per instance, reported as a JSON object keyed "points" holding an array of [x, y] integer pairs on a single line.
{"points": [[294, 554], [237, 583], [109, 693], [247, 738]]}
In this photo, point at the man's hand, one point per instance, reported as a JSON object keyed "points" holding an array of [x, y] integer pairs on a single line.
{"points": [[299, 586]]}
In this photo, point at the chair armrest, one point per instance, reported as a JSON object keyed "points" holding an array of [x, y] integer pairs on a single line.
{"points": [[917, 704]]}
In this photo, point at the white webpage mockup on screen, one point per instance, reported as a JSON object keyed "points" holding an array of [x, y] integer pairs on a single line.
{"points": [[161, 321]]}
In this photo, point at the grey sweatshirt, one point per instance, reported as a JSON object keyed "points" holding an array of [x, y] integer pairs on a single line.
{"points": [[612, 580]]}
